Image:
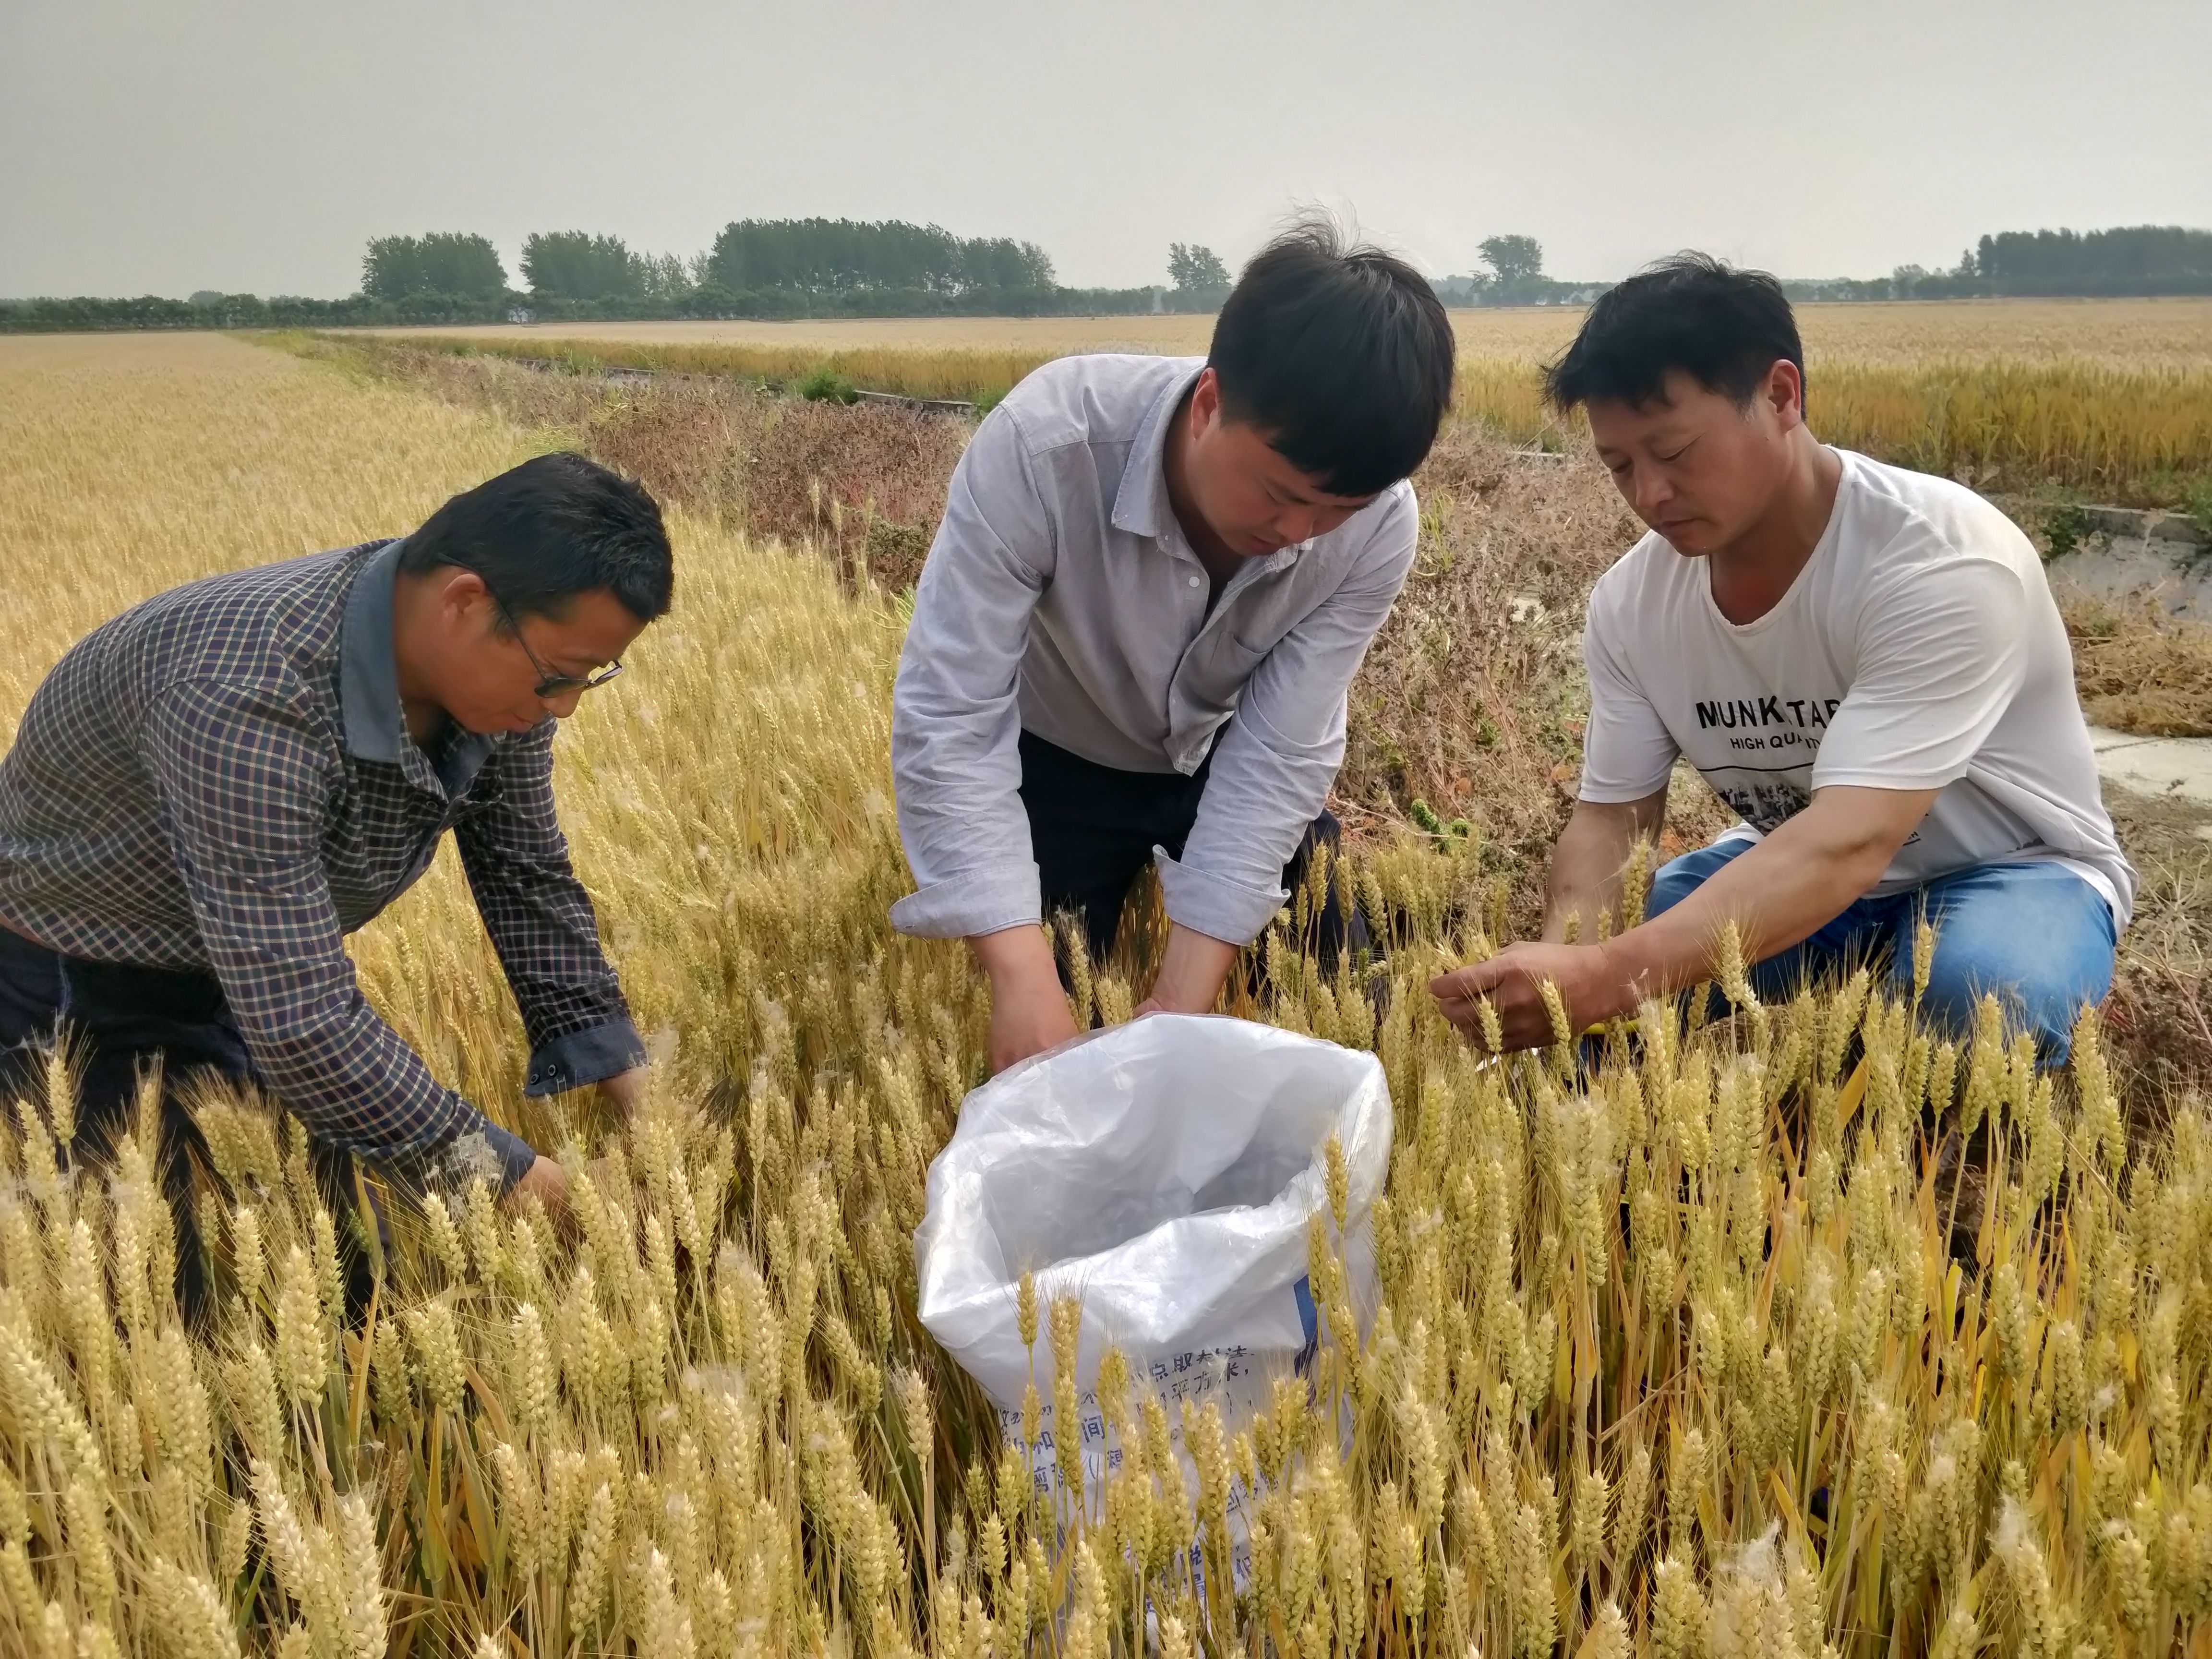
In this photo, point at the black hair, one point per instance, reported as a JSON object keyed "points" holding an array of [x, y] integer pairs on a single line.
{"points": [[1342, 357], [545, 531], [1724, 328]]}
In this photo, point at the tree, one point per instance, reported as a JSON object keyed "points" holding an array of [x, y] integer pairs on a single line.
{"points": [[571, 264], [1002, 263], [847, 255], [444, 263], [1194, 267], [1513, 258], [2130, 259], [663, 276]]}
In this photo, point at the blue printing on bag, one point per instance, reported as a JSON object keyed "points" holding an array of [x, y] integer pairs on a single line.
{"points": [[1309, 1323]]}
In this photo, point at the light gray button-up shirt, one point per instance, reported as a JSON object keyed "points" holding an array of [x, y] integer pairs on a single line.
{"points": [[1060, 595]]}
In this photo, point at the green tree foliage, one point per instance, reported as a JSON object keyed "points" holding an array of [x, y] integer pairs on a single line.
{"points": [[1513, 259], [2136, 260], [1194, 267], [443, 262], [574, 265], [666, 279], [847, 255], [2132, 260]]}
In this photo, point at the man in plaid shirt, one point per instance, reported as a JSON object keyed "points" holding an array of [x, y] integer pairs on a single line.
{"points": [[211, 791]]}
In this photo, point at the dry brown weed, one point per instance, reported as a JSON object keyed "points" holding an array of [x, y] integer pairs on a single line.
{"points": [[2140, 670]]}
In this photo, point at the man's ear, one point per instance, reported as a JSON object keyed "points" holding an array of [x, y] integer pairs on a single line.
{"points": [[1785, 391], [1205, 400], [464, 594]]}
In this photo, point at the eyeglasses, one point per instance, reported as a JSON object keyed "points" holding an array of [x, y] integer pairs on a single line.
{"points": [[550, 684]]}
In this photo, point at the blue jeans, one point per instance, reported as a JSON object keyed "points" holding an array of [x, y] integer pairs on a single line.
{"points": [[2036, 934]]}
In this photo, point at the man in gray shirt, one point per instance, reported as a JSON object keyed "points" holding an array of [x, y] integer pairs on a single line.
{"points": [[1154, 581]]}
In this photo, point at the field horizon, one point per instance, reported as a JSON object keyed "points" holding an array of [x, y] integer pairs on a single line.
{"points": [[2110, 330]]}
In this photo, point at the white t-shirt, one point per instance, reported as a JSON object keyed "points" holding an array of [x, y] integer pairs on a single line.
{"points": [[1919, 648]]}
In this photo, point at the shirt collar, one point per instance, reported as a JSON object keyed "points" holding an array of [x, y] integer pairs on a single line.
{"points": [[368, 688], [369, 673], [1141, 505]]}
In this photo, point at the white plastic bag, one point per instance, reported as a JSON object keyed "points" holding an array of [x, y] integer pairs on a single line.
{"points": [[1163, 1173]]}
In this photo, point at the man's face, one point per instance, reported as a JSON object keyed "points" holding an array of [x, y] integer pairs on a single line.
{"points": [[487, 681], [1698, 468], [1255, 501]]}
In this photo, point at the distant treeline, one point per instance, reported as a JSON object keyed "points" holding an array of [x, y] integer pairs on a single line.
{"points": [[780, 268], [769, 268], [710, 302], [1513, 275], [757, 268], [2140, 261], [211, 310], [843, 255]]}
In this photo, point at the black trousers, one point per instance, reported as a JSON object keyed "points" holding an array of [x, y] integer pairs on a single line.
{"points": [[119, 1020], [1092, 828]]}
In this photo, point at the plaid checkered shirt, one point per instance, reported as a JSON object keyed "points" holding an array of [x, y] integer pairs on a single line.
{"points": [[220, 780]]}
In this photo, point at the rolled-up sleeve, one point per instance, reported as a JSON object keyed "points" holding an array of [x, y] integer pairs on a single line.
{"points": [[955, 712], [241, 779], [1277, 761], [542, 924]]}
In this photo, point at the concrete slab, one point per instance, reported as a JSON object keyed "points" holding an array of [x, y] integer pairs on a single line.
{"points": [[2132, 570], [2179, 766]]}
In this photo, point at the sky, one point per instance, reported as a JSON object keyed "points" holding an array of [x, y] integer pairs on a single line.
{"points": [[249, 146]]}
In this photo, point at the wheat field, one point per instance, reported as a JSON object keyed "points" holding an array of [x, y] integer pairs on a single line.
{"points": [[1741, 1345]]}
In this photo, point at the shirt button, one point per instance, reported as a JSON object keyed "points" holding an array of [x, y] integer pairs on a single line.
{"points": [[1193, 582]]}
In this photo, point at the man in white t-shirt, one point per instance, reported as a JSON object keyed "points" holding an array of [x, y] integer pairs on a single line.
{"points": [[1864, 662]]}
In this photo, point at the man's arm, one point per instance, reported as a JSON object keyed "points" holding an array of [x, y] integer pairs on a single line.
{"points": [[541, 923], [1272, 773], [1941, 654], [241, 779], [1030, 1013], [1792, 883], [955, 709], [1590, 860], [956, 728]]}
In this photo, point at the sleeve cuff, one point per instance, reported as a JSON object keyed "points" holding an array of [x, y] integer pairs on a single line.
{"points": [[583, 1057], [1215, 905], [482, 1152], [965, 906], [1853, 778], [1614, 794], [515, 1154]]}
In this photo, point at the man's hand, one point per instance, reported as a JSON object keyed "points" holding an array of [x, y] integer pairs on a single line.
{"points": [[626, 1090], [1589, 983], [1028, 1011], [1798, 878], [1027, 1019], [544, 1182], [1192, 969]]}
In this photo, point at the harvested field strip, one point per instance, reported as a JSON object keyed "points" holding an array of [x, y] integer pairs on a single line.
{"points": [[2137, 432], [2139, 333]]}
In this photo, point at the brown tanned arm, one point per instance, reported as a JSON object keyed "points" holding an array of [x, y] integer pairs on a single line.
{"points": [[1795, 882], [1589, 858]]}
